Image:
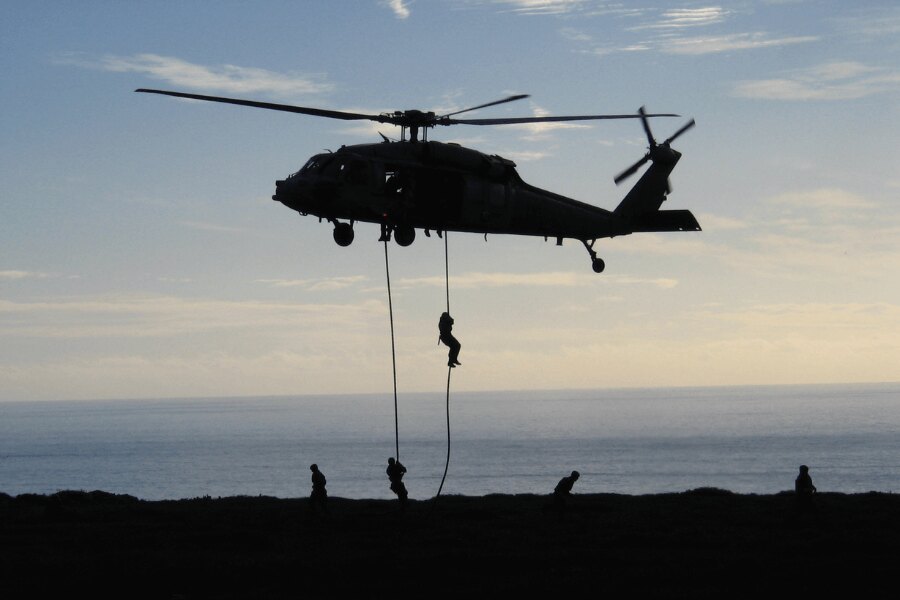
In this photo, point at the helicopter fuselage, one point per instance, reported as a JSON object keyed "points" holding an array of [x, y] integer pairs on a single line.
{"points": [[438, 186]]}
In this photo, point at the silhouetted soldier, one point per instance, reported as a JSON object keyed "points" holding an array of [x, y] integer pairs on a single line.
{"points": [[804, 488], [445, 326], [395, 472], [319, 495], [563, 491]]}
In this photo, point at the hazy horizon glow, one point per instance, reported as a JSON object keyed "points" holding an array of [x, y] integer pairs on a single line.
{"points": [[141, 256]]}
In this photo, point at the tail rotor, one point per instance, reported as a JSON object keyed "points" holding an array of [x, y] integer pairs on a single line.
{"points": [[655, 151]]}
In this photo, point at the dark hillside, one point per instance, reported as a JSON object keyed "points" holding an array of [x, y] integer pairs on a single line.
{"points": [[699, 543]]}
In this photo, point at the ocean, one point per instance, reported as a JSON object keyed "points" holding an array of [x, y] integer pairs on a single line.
{"points": [[627, 441]]}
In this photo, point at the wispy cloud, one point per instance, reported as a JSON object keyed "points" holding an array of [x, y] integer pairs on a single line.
{"points": [[681, 18], [713, 44], [841, 80], [540, 7], [816, 317], [398, 7], [711, 222], [810, 234], [589, 45], [12, 274], [369, 130], [155, 316], [520, 156], [822, 199], [668, 31], [547, 279], [317, 285], [226, 78], [575, 35], [540, 131], [870, 22]]}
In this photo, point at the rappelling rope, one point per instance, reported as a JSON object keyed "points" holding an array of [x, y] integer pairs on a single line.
{"points": [[387, 272], [449, 368]]}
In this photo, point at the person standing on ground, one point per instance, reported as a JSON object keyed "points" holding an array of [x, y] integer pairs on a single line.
{"points": [[318, 496], [563, 491], [804, 488]]}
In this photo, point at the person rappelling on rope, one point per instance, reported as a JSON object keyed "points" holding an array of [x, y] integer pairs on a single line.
{"points": [[445, 326], [395, 472]]}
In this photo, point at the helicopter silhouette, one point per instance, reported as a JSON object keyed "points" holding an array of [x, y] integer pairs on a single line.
{"points": [[412, 184]]}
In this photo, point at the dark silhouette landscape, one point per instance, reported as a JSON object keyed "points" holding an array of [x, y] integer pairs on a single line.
{"points": [[701, 543]]}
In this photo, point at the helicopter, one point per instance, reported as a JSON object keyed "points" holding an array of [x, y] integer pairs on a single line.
{"points": [[413, 183]]}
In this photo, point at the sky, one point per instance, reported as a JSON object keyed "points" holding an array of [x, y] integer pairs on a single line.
{"points": [[141, 254]]}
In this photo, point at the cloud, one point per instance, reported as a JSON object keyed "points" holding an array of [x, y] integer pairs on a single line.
{"points": [[541, 131], [317, 285], [12, 275], [666, 29], [230, 79], [838, 70], [871, 23], [822, 198], [476, 280], [159, 316], [813, 318], [714, 44], [655, 244], [541, 7], [811, 235], [680, 18], [369, 129], [840, 80], [525, 155], [575, 35], [711, 222], [180, 373], [399, 8]]}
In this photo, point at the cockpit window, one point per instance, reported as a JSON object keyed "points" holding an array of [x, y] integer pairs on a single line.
{"points": [[316, 163]]}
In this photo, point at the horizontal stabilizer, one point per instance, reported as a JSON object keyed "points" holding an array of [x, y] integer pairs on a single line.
{"points": [[665, 220]]}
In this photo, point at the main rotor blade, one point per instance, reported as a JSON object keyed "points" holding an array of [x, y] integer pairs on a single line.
{"points": [[632, 169], [687, 126], [494, 103], [650, 141], [513, 121], [318, 112]]}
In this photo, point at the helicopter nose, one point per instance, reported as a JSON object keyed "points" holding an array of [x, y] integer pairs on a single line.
{"points": [[294, 193], [284, 190], [287, 187]]}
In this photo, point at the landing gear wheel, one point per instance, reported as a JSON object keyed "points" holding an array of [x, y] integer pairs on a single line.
{"points": [[596, 262], [405, 235], [343, 234]]}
